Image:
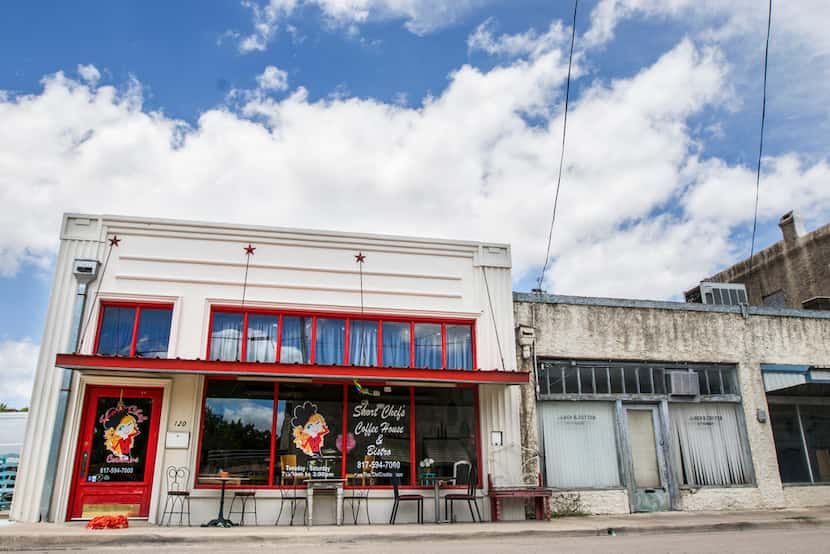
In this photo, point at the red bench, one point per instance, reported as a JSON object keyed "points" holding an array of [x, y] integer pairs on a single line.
{"points": [[539, 494]]}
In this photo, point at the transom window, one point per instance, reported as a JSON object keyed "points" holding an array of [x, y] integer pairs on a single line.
{"points": [[340, 340], [135, 330], [280, 434]]}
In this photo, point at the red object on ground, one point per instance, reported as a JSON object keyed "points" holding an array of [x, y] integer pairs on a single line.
{"points": [[108, 522]]}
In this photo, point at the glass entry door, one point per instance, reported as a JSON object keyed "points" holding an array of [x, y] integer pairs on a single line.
{"points": [[648, 487], [116, 453]]}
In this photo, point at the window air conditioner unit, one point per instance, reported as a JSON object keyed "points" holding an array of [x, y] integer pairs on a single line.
{"points": [[727, 294], [683, 383]]}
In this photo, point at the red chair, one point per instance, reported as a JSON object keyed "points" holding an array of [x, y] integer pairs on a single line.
{"points": [[396, 481], [469, 497]]}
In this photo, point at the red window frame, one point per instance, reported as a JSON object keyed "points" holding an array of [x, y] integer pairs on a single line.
{"points": [[348, 317], [345, 420], [138, 306]]}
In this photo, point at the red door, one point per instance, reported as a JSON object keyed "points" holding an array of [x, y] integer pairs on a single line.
{"points": [[116, 452]]}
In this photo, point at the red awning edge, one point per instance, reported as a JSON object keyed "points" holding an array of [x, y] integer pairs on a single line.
{"points": [[206, 367]]}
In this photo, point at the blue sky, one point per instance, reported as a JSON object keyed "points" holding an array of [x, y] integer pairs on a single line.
{"points": [[423, 117]]}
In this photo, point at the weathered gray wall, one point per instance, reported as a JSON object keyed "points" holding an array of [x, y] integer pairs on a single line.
{"points": [[799, 267], [569, 327]]}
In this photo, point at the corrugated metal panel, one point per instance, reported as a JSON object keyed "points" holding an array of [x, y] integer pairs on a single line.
{"points": [[776, 381]]}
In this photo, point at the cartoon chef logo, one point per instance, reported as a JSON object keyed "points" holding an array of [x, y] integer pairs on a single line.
{"points": [[309, 428], [121, 427]]}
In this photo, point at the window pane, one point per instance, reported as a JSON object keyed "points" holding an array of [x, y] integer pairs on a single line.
{"points": [[237, 430], [459, 347], [792, 465], [707, 444], [153, 332], [116, 331], [296, 340], [428, 346], [378, 439], [363, 342], [331, 341], [580, 443], [816, 421], [395, 344], [226, 337], [445, 431], [262, 338], [309, 427]]}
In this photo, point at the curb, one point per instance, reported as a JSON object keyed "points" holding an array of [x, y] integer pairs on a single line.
{"points": [[104, 539]]}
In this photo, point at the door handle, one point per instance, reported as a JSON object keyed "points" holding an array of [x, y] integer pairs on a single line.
{"points": [[83, 464]]}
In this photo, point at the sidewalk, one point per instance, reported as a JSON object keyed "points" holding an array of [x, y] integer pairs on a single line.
{"points": [[33, 536]]}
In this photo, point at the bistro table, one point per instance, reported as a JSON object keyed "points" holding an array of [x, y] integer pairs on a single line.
{"points": [[437, 484], [221, 521], [323, 484]]}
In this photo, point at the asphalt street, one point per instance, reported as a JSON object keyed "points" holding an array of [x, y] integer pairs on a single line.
{"points": [[749, 542]]}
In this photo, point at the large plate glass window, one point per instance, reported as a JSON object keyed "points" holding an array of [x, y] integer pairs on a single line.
{"points": [[708, 445], [445, 433], [580, 444], [309, 433], [236, 435], [378, 442]]}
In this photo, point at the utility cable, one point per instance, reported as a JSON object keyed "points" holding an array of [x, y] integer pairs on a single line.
{"points": [[761, 146], [562, 152]]}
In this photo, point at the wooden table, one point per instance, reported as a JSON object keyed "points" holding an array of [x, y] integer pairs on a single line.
{"points": [[221, 521], [324, 484]]}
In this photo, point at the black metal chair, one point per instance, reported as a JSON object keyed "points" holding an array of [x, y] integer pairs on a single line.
{"points": [[243, 497], [355, 499], [396, 481], [469, 497], [177, 482], [290, 495]]}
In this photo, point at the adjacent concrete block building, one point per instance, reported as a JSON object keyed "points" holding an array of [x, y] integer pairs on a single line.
{"points": [[644, 406]]}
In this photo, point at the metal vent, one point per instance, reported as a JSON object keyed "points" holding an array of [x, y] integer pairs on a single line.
{"points": [[728, 294], [682, 383]]}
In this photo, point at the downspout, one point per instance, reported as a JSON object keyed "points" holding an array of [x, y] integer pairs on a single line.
{"points": [[85, 271]]}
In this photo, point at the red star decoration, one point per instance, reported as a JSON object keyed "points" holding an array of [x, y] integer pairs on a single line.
{"points": [[360, 258], [249, 250], [114, 240]]}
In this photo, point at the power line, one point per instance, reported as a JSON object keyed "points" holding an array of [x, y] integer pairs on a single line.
{"points": [[562, 152], [761, 146]]}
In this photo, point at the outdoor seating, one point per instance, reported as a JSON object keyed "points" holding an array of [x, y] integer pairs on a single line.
{"points": [[355, 498], [244, 497], [469, 496], [396, 481], [294, 496], [177, 491]]}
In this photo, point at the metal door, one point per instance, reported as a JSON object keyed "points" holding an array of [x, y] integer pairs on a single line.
{"points": [[647, 476]]}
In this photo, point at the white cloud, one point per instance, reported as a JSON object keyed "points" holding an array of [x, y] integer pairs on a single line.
{"points": [[17, 367], [420, 16], [529, 43], [642, 212], [272, 79], [89, 73]]}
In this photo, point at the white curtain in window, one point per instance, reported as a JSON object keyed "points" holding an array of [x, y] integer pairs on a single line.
{"points": [[707, 445], [580, 445]]}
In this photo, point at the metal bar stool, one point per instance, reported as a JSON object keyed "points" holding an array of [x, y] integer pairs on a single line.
{"points": [[244, 497]]}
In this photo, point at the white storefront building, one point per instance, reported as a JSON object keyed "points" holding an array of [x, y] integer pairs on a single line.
{"points": [[275, 355]]}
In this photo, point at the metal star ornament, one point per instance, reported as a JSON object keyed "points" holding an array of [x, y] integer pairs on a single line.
{"points": [[249, 250], [114, 240], [360, 258]]}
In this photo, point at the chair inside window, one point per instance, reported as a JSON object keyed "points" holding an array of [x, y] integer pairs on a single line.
{"points": [[396, 481], [460, 472], [469, 496], [178, 479]]}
